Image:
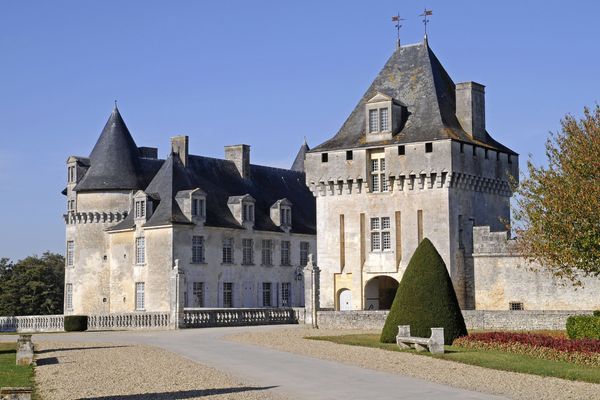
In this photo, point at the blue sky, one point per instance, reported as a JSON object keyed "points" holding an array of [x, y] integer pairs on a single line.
{"points": [[266, 73]]}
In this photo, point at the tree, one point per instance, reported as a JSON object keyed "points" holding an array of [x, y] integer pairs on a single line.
{"points": [[557, 213], [425, 299], [32, 286]]}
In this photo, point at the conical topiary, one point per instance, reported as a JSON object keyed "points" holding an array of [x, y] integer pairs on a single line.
{"points": [[425, 299]]}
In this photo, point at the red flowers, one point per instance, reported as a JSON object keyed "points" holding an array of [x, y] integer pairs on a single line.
{"points": [[581, 351]]}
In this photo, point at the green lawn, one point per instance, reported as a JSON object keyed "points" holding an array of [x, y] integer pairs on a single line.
{"points": [[488, 359], [10, 373]]}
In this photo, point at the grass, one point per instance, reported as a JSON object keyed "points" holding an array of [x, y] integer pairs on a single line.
{"points": [[10, 373], [483, 358]]}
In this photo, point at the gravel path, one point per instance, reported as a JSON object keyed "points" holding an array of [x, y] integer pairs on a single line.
{"points": [[509, 384], [72, 370]]}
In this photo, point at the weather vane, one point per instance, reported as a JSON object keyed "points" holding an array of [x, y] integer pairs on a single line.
{"points": [[425, 14], [397, 19]]}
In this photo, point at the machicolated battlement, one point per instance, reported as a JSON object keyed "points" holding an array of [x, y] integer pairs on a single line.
{"points": [[94, 217]]}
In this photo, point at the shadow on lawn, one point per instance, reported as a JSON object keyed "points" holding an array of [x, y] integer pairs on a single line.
{"points": [[181, 394]]}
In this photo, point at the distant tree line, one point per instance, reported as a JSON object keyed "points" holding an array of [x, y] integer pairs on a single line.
{"points": [[32, 286]]}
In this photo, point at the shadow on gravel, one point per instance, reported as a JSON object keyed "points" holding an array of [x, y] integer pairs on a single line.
{"points": [[77, 348], [182, 394], [46, 361]]}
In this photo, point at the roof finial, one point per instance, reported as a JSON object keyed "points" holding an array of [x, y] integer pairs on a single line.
{"points": [[425, 14], [305, 141], [396, 18], [116, 104]]}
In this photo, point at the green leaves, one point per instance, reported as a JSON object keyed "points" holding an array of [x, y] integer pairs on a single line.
{"points": [[557, 214], [32, 286]]}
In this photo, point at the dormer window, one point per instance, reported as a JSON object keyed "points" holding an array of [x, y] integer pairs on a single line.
{"points": [[243, 209], [247, 212], [379, 120], [193, 204], [198, 207], [281, 214], [385, 117], [140, 209]]}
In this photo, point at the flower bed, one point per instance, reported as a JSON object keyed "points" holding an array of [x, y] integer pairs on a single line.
{"points": [[582, 351]]}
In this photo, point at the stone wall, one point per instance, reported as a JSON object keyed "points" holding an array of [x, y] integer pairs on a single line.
{"points": [[475, 319]]}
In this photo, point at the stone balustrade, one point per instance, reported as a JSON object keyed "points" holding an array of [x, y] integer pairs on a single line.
{"points": [[204, 318], [145, 320], [32, 323]]}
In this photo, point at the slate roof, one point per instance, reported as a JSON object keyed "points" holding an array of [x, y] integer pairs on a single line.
{"points": [[414, 76], [298, 164], [114, 161]]}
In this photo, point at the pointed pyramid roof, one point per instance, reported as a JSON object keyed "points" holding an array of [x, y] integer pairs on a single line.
{"points": [[298, 164], [414, 76], [114, 163], [170, 179]]}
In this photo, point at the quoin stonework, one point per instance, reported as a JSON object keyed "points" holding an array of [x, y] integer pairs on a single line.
{"points": [[414, 160], [236, 233]]}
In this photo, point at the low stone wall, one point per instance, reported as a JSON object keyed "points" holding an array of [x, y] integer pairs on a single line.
{"points": [[207, 318], [32, 323], [474, 319]]}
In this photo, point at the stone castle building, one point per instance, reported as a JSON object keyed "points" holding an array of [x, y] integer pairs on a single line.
{"points": [[414, 160], [238, 232]]}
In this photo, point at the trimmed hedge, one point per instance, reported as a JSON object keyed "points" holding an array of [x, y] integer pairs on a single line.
{"points": [[597, 313], [425, 299], [76, 323], [583, 327]]}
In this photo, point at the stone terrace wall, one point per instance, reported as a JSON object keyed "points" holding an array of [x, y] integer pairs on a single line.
{"points": [[474, 319]]}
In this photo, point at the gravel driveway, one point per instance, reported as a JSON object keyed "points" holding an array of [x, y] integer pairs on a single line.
{"points": [[509, 384], [73, 370]]}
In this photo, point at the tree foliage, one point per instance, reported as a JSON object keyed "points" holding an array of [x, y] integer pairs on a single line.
{"points": [[425, 299], [557, 214], [32, 286]]}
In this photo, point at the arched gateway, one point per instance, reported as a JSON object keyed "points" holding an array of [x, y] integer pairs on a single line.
{"points": [[380, 292]]}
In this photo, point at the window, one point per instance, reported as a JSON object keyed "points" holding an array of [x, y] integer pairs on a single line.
{"points": [[373, 121], [198, 294], [247, 212], [401, 150], [197, 249], [247, 251], [228, 251], [379, 181], [140, 301], [380, 234], [304, 250], [69, 296], [198, 207], [286, 298], [419, 225], [474, 151], [509, 159], [515, 306], [497, 156], [70, 253], [349, 155], [267, 252], [462, 147], [227, 294], [266, 294], [140, 250], [486, 154], [71, 174], [428, 147], [324, 157], [140, 208], [383, 120], [286, 216], [285, 252]]}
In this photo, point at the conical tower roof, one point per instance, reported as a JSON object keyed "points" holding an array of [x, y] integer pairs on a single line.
{"points": [[114, 163], [298, 164]]}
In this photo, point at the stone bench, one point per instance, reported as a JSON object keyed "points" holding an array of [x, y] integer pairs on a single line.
{"points": [[15, 393], [435, 343]]}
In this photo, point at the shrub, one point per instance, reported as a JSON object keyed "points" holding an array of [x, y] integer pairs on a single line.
{"points": [[76, 323], [583, 326], [425, 299], [582, 351], [597, 313]]}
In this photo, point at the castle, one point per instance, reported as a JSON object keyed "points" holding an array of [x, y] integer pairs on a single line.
{"points": [[413, 160], [238, 232]]}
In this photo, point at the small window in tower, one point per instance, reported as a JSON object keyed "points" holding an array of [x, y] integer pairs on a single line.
{"points": [[497, 156], [324, 157], [428, 147], [373, 121], [474, 151], [349, 155], [509, 159], [401, 150], [462, 147], [515, 306], [383, 120], [486, 154]]}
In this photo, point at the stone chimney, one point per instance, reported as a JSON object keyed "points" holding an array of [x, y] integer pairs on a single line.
{"points": [[470, 108], [179, 146], [240, 155]]}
